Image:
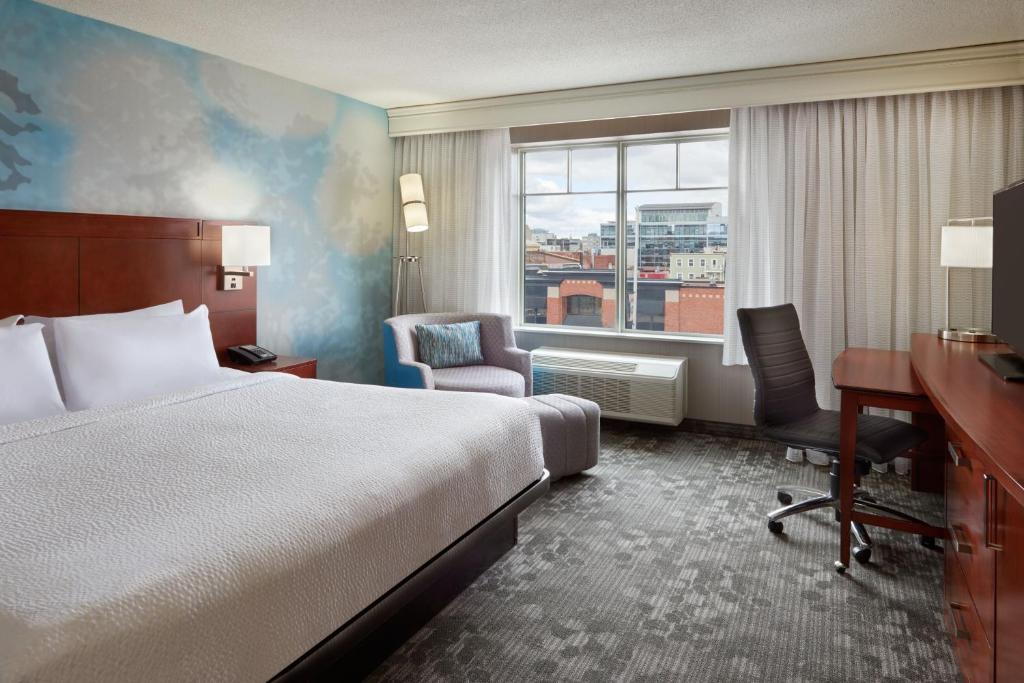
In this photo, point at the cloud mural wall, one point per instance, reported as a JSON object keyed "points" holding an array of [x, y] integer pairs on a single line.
{"points": [[99, 119]]}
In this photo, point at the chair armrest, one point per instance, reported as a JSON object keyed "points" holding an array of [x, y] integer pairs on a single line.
{"points": [[399, 369], [517, 360], [411, 375]]}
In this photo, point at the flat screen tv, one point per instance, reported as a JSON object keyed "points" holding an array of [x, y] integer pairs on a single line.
{"points": [[1008, 281]]}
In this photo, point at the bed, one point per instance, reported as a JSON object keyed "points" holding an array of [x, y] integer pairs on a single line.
{"points": [[223, 532], [256, 527]]}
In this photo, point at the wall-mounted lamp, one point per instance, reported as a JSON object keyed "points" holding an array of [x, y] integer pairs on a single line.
{"points": [[242, 247]]}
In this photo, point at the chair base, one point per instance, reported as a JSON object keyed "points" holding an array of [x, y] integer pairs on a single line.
{"points": [[817, 500]]}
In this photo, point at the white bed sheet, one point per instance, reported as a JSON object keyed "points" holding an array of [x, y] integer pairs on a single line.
{"points": [[219, 533]]}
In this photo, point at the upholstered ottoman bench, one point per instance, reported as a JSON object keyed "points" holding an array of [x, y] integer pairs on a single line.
{"points": [[571, 431]]}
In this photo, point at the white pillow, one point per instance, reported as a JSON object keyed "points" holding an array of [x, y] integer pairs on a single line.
{"points": [[28, 388], [113, 360], [11, 321], [170, 308]]}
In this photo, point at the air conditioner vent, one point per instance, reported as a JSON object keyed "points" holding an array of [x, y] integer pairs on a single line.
{"points": [[626, 386], [595, 364]]}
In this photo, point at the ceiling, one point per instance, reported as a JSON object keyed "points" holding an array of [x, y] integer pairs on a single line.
{"points": [[407, 52]]}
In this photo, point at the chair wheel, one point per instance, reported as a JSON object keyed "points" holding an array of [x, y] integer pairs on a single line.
{"points": [[862, 553], [929, 542], [840, 567], [774, 527], [784, 498]]}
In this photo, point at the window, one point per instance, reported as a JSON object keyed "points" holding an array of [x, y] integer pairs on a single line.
{"points": [[607, 228]]}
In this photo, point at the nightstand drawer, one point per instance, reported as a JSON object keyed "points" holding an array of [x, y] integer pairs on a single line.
{"points": [[304, 370], [292, 365]]}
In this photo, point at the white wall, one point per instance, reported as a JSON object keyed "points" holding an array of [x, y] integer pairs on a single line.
{"points": [[715, 392]]}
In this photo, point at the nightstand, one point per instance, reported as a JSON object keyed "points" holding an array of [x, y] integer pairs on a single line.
{"points": [[300, 367]]}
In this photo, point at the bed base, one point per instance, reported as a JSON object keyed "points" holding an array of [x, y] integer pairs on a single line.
{"points": [[355, 649]]}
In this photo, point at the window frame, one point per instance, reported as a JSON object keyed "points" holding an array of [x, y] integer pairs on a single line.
{"points": [[620, 192]]}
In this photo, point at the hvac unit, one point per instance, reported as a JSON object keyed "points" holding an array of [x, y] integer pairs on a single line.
{"points": [[625, 385]]}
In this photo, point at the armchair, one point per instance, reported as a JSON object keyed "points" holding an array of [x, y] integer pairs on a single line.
{"points": [[507, 369]]}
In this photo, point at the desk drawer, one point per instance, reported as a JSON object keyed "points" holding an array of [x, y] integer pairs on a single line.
{"points": [[968, 508], [972, 648]]}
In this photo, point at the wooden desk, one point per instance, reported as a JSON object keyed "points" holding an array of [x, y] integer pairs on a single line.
{"points": [[983, 433], [879, 379], [984, 573]]}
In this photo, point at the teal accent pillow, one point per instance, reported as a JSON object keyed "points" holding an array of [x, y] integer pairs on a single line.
{"points": [[448, 346]]}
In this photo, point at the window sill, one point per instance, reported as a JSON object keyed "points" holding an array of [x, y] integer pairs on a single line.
{"points": [[611, 334]]}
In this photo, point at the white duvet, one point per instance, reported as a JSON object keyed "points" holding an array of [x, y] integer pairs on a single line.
{"points": [[218, 534]]}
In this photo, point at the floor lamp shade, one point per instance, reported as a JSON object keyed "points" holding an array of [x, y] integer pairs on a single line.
{"points": [[414, 205], [411, 185], [415, 217]]}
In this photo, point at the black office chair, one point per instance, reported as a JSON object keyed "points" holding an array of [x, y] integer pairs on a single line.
{"points": [[786, 409]]}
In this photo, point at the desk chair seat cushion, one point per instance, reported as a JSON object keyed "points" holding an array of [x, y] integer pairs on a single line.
{"points": [[879, 439], [483, 378]]}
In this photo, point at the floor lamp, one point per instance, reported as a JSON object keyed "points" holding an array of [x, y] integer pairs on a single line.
{"points": [[414, 212]]}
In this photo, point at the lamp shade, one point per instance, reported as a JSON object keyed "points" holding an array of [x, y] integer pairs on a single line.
{"points": [[245, 245], [411, 186], [414, 206], [415, 216], [966, 246]]}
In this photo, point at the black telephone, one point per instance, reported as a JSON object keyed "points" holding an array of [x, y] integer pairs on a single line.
{"points": [[250, 354]]}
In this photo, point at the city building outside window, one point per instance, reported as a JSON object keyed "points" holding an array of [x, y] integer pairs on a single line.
{"points": [[607, 228]]}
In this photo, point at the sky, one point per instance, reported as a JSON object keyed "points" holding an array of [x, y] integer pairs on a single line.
{"points": [[650, 174]]}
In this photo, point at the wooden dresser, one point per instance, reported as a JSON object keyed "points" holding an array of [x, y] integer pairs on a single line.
{"points": [[984, 576]]}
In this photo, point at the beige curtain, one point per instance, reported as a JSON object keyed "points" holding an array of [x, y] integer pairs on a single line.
{"points": [[837, 208], [468, 252]]}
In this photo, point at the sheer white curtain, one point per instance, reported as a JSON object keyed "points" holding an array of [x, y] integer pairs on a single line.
{"points": [[468, 252], [837, 207]]}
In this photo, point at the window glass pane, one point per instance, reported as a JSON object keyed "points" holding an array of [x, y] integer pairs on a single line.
{"points": [[569, 276], [651, 167], [594, 169], [677, 236], [547, 171], [677, 248], [704, 163]]}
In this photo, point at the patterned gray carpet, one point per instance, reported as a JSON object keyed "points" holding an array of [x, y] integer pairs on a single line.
{"points": [[657, 566]]}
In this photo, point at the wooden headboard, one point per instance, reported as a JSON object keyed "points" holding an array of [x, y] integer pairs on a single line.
{"points": [[58, 264]]}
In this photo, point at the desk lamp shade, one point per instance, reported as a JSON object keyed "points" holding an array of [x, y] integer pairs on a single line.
{"points": [[966, 246]]}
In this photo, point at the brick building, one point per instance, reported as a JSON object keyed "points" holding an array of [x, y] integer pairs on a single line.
{"points": [[699, 310], [587, 299]]}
